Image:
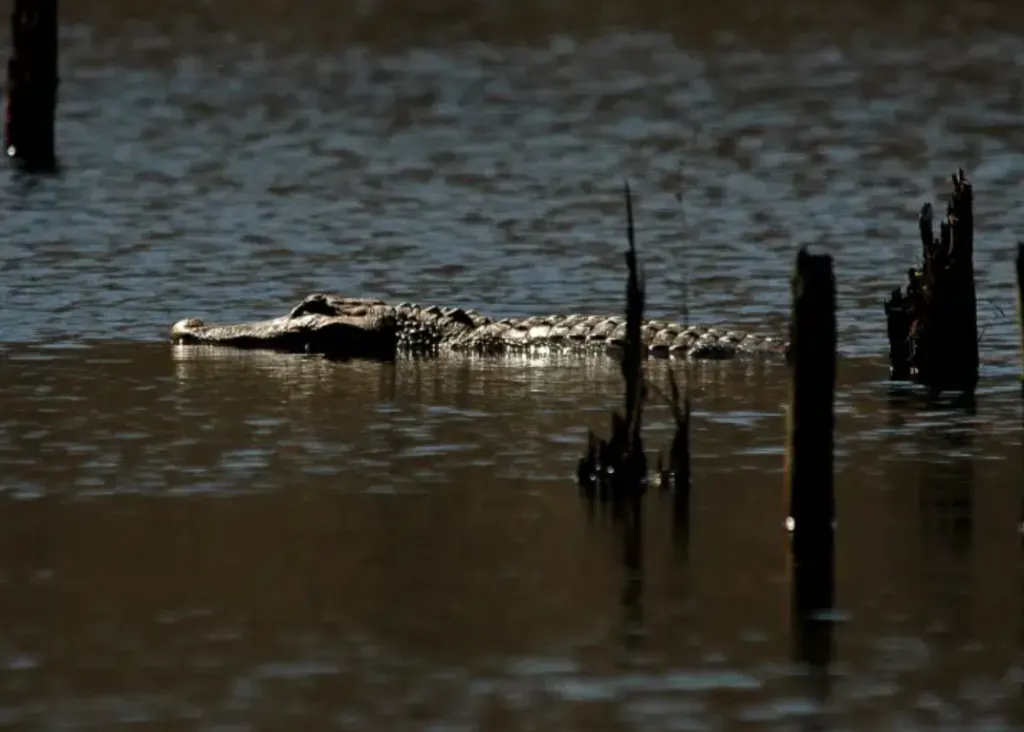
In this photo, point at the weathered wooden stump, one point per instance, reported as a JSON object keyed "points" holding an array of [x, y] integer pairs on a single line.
{"points": [[809, 460], [932, 323], [31, 93], [809, 443], [1020, 307]]}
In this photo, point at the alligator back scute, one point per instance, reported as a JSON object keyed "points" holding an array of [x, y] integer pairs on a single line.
{"points": [[560, 331], [517, 335], [711, 349], [478, 318], [661, 343], [538, 334], [601, 329], [460, 316]]}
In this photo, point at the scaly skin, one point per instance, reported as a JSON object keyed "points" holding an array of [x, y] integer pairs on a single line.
{"points": [[363, 327]]}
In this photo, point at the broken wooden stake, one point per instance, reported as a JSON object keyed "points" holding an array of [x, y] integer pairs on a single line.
{"points": [[1020, 307], [30, 101], [932, 324], [809, 443]]}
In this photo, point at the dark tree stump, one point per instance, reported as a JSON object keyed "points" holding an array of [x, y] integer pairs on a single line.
{"points": [[1020, 306], [31, 92], [809, 439], [932, 322]]}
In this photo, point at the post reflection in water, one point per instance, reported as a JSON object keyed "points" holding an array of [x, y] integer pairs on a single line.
{"points": [[946, 496], [812, 604]]}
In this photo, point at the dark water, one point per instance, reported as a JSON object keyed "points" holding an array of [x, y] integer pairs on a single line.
{"points": [[197, 540]]}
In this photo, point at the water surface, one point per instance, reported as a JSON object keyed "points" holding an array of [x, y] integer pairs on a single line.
{"points": [[195, 540]]}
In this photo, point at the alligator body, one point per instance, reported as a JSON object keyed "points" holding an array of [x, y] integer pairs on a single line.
{"points": [[363, 327]]}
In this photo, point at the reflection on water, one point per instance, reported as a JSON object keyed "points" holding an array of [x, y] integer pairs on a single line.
{"points": [[199, 536]]}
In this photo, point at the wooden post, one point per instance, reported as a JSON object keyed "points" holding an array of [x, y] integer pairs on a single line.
{"points": [[809, 444], [31, 94], [809, 461], [948, 342], [933, 325], [899, 322], [1020, 306]]}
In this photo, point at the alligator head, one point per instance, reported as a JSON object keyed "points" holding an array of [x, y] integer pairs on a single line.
{"points": [[337, 327]]}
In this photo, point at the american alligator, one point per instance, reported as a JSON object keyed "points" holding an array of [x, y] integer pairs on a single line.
{"points": [[366, 327]]}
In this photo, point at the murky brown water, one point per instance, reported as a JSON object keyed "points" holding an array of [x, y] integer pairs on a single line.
{"points": [[197, 540]]}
